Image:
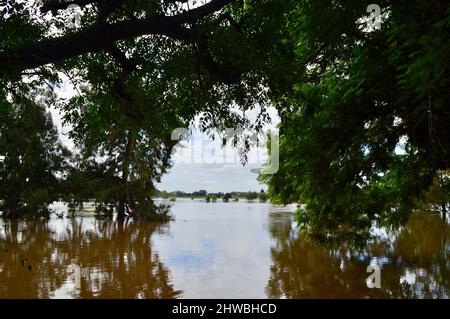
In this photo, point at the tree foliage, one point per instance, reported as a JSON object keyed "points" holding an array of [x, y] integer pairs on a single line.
{"points": [[262, 196], [33, 162], [365, 126], [141, 69], [226, 197], [251, 195]]}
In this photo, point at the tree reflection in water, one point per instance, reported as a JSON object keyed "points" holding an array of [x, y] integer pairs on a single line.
{"points": [[81, 258], [414, 263]]}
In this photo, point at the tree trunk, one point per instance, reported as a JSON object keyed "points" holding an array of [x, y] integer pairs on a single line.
{"points": [[121, 211], [125, 198]]}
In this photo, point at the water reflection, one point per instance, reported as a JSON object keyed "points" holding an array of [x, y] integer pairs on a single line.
{"points": [[215, 250], [81, 258], [414, 262]]}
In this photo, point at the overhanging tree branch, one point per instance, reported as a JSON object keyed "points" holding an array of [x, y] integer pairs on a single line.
{"points": [[55, 5], [224, 74], [97, 38]]}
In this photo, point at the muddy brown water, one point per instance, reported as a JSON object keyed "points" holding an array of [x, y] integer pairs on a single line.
{"points": [[216, 250]]}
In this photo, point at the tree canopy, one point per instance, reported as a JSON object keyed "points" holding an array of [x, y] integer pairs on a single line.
{"points": [[365, 128]]}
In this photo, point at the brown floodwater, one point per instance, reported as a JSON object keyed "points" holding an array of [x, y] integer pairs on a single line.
{"points": [[216, 250]]}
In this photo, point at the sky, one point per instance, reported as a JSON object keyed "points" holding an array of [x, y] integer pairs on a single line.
{"points": [[202, 163], [199, 162]]}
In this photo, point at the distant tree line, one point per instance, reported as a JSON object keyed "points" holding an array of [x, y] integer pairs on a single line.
{"points": [[213, 197]]}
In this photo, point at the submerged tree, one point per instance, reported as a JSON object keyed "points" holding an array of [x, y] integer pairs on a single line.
{"points": [[226, 197], [251, 195], [121, 156], [32, 160], [262, 196], [437, 196]]}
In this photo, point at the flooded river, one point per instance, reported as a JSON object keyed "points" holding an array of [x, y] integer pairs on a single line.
{"points": [[216, 250]]}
